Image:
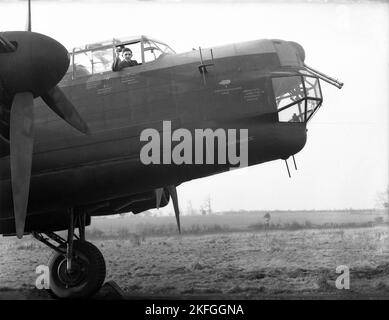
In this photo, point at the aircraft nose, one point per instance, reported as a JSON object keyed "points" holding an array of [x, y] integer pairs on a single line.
{"points": [[276, 141], [289, 53], [292, 138], [299, 50]]}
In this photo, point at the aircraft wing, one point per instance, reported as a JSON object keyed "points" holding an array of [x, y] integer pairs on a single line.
{"points": [[5, 45]]}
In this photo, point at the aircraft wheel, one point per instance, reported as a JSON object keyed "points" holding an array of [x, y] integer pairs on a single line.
{"points": [[87, 276]]}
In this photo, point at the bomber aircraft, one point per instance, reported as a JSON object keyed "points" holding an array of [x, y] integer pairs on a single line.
{"points": [[71, 129]]}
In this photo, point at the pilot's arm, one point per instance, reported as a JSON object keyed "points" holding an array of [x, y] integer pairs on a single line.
{"points": [[116, 62]]}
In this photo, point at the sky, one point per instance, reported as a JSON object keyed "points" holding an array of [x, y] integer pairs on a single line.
{"points": [[345, 161]]}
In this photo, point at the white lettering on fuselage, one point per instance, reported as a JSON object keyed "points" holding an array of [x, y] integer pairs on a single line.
{"points": [[182, 153]]}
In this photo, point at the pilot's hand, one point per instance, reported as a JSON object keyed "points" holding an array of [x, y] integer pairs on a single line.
{"points": [[118, 50]]}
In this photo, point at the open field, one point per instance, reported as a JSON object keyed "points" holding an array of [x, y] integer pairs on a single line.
{"points": [[235, 221], [243, 265]]}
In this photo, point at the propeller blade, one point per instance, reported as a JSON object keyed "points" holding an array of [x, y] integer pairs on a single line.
{"points": [[21, 147], [62, 106], [158, 196], [28, 23], [173, 193], [5, 45]]}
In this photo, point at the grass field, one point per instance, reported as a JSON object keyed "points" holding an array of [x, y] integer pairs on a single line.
{"points": [[248, 264], [232, 222]]}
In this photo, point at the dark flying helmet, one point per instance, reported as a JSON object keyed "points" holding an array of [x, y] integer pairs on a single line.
{"points": [[125, 50]]}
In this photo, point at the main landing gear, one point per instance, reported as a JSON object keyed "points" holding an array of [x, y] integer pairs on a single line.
{"points": [[77, 267]]}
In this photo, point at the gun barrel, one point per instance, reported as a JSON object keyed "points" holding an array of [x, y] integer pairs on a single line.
{"points": [[324, 77]]}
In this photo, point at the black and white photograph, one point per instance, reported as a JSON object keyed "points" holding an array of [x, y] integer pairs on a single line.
{"points": [[194, 150]]}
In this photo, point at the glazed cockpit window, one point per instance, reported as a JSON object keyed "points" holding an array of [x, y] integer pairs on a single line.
{"points": [[314, 97], [101, 60], [288, 90], [98, 58], [297, 97], [154, 50], [82, 62]]}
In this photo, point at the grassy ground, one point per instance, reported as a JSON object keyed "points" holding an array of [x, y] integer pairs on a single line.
{"points": [[126, 226], [248, 264]]}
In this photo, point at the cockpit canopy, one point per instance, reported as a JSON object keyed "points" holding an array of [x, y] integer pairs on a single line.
{"points": [[98, 57]]}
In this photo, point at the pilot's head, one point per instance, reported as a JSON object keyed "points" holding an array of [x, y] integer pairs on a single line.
{"points": [[127, 54]]}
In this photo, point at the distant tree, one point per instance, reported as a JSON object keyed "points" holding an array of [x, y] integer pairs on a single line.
{"points": [[383, 199], [267, 218], [189, 209], [206, 207]]}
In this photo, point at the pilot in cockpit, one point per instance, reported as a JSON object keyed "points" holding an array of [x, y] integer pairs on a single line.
{"points": [[119, 64]]}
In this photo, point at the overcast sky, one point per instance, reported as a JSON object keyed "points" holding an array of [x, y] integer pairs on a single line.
{"points": [[345, 161]]}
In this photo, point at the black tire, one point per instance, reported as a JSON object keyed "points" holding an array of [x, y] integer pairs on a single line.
{"points": [[88, 276]]}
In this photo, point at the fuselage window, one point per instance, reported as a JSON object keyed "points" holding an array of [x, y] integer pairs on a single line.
{"points": [[82, 64], [314, 97], [296, 97], [154, 50], [151, 51], [101, 60]]}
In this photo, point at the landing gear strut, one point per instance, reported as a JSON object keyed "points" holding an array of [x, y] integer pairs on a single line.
{"points": [[77, 267]]}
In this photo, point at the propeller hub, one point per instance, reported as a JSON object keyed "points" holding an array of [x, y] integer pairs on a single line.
{"points": [[37, 65]]}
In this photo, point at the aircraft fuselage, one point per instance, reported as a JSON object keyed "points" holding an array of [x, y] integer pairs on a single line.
{"points": [[70, 169]]}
